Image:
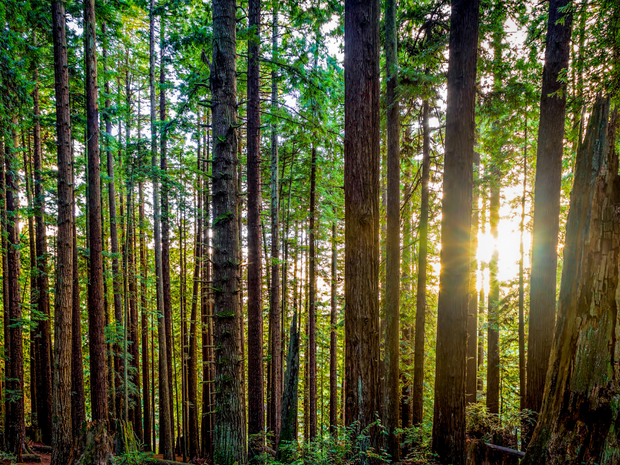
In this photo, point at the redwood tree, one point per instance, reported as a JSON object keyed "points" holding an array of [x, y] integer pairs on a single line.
{"points": [[361, 190], [229, 435], [449, 406]]}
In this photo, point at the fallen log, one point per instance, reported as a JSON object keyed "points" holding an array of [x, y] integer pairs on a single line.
{"points": [[481, 453]]}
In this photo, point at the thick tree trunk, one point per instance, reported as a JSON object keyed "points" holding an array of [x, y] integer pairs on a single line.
{"points": [[543, 278], [275, 312], [392, 247], [165, 412], [361, 188], [44, 358], [256, 404], [62, 437], [96, 314], [472, 306], [420, 317], [493, 359], [576, 423], [449, 406], [229, 437]]}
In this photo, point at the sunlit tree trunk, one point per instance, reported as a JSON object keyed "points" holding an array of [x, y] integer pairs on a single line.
{"points": [[472, 307], [493, 359], [333, 338]]}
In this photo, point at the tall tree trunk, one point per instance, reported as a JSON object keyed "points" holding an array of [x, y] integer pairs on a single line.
{"points": [[146, 394], [165, 412], [256, 407], [96, 314], [312, 392], [493, 359], [576, 423], [62, 436], [392, 245], [361, 188], [5, 286], [41, 300], [229, 437], [472, 306], [116, 275], [15, 427], [417, 401], [543, 278], [165, 223], [275, 313], [333, 339], [449, 405]]}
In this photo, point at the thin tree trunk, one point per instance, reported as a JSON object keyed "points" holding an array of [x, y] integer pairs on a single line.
{"points": [[15, 428], [392, 247], [361, 188], [145, 325], [165, 420], [420, 318], [312, 302], [229, 437], [449, 405], [521, 279], [275, 313], [62, 436], [256, 408], [96, 314], [192, 385], [165, 224], [543, 278], [333, 339], [78, 398], [493, 359], [405, 307], [44, 374]]}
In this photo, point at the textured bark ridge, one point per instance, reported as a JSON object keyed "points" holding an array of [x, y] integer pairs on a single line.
{"points": [[580, 412]]}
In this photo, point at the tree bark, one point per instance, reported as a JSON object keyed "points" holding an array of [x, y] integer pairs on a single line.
{"points": [[522, 377], [576, 423], [288, 434], [361, 188], [449, 405], [96, 314], [543, 278], [229, 434], [405, 307], [420, 317], [62, 437]]}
